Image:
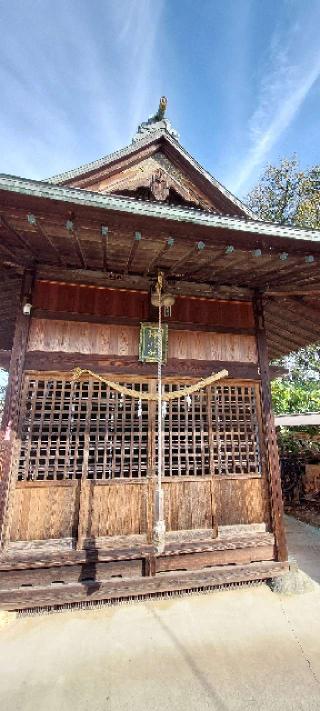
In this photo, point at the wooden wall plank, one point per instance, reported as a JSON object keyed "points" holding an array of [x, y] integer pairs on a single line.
{"points": [[187, 505], [109, 339], [101, 301], [85, 299], [41, 513], [118, 510], [212, 346], [241, 501], [69, 336]]}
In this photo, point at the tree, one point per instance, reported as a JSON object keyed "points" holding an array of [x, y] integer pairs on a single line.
{"points": [[288, 195]]}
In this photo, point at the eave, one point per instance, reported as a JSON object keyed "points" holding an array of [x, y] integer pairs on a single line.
{"points": [[193, 248], [76, 196]]}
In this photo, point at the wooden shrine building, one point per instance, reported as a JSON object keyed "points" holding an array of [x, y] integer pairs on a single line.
{"points": [[80, 255]]}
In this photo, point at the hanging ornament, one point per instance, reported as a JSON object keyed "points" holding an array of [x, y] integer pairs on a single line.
{"points": [[139, 408], [164, 409], [188, 401]]}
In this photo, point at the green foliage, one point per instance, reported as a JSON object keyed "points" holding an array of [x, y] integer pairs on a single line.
{"points": [[295, 444], [288, 195], [290, 396]]}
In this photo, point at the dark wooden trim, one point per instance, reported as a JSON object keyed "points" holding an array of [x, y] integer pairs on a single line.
{"points": [[127, 321], [38, 596], [43, 233], [119, 280], [270, 440], [11, 410], [60, 361], [22, 241]]}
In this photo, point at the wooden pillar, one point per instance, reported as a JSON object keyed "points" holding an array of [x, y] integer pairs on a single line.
{"points": [[10, 419], [270, 439]]}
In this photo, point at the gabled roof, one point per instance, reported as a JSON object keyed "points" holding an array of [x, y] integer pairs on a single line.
{"points": [[161, 140]]}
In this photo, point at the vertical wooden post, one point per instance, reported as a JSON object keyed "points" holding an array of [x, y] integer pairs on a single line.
{"points": [[270, 440], [85, 484], [10, 419]]}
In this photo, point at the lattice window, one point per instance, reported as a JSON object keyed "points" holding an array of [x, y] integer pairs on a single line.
{"points": [[68, 428], [52, 429], [118, 442], [185, 440], [72, 429], [235, 430]]}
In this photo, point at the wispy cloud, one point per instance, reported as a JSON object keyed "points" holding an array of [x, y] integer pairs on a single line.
{"points": [[76, 84], [293, 69]]}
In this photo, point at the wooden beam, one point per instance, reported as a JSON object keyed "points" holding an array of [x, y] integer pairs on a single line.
{"points": [[288, 324], [163, 249], [137, 281], [46, 361], [72, 229], [104, 233], [294, 336], [133, 250], [6, 224], [10, 418], [50, 595], [34, 220], [12, 256], [212, 259], [301, 269], [180, 262], [270, 440], [306, 310], [291, 292]]}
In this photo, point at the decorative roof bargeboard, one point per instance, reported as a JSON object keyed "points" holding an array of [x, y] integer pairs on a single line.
{"points": [[76, 196], [141, 143]]}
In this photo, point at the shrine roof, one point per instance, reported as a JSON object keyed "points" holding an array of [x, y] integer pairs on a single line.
{"points": [[159, 136], [77, 196]]}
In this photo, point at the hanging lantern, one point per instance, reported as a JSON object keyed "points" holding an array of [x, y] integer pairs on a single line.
{"points": [[166, 300]]}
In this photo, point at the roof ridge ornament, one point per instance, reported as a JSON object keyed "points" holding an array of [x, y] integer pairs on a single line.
{"points": [[156, 122]]}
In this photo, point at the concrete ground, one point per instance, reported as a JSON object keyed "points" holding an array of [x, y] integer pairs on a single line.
{"points": [[240, 649]]}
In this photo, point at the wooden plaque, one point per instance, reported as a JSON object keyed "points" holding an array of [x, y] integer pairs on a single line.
{"points": [[148, 345]]}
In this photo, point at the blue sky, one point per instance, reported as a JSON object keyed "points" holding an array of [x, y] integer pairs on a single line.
{"points": [[241, 77]]}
